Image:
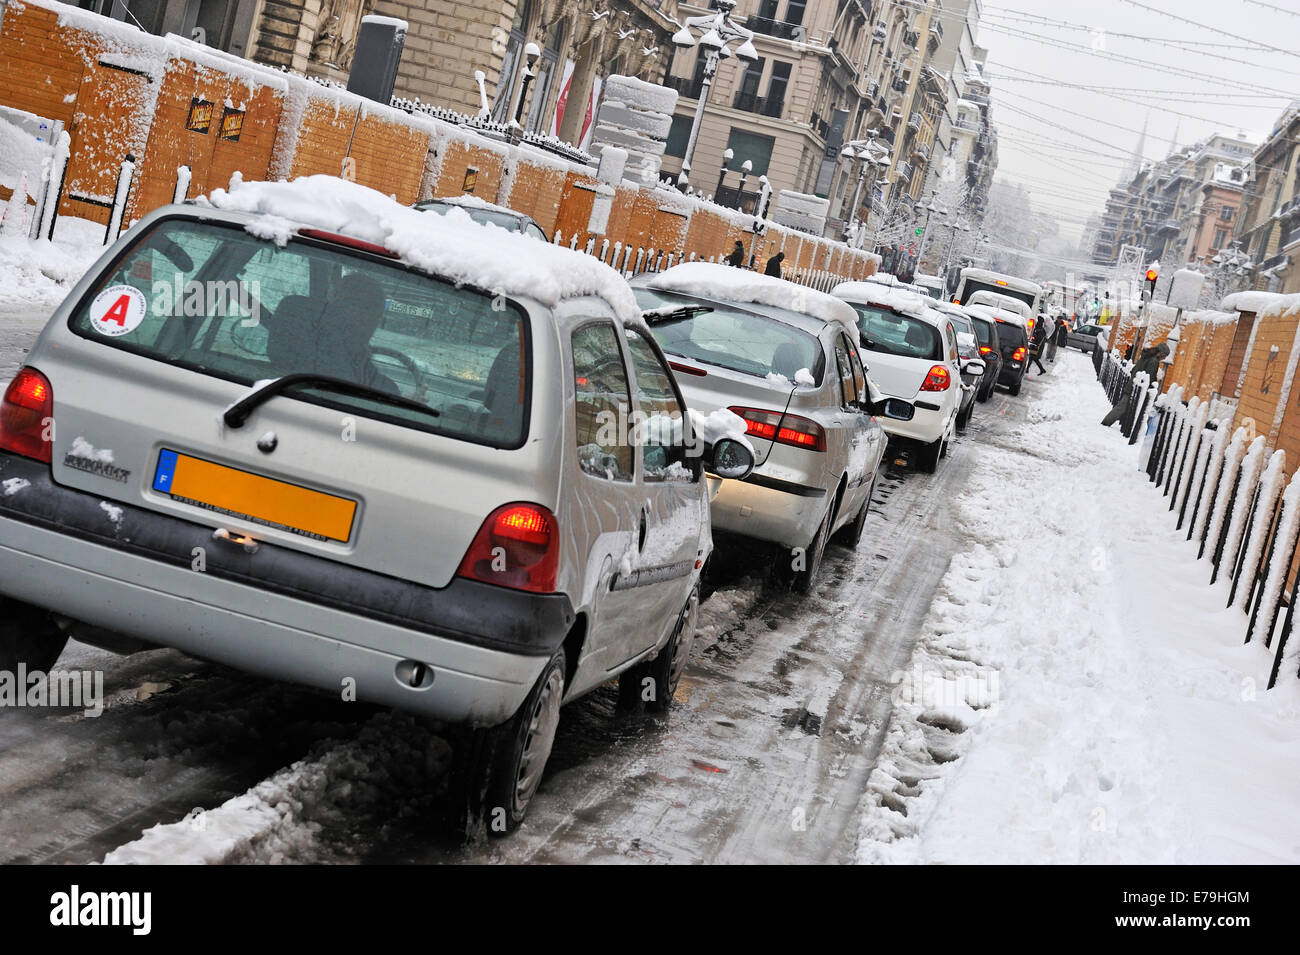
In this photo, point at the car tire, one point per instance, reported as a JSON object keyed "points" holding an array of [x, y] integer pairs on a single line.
{"points": [[985, 392], [28, 635], [927, 459], [507, 761], [803, 580], [1015, 389], [664, 671], [850, 534]]}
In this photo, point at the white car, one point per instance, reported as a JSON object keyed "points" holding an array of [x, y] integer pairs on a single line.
{"points": [[912, 353], [782, 357]]}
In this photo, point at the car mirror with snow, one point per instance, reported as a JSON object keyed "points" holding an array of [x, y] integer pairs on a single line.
{"points": [[972, 366], [729, 459]]}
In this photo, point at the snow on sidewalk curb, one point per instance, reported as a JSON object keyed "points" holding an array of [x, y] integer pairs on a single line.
{"points": [[1079, 694]]}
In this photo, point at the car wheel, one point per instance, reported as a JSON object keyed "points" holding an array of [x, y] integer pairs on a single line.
{"points": [[28, 635], [851, 534], [812, 559], [985, 392], [927, 459], [508, 760], [1015, 389], [664, 671]]}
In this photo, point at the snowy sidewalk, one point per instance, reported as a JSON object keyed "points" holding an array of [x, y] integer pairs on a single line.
{"points": [[1080, 694]]}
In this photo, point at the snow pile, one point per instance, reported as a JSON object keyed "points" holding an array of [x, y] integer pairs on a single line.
{"points": [[1263, 304], [635, 116], [36, 274], [505, 263], [797, 210], [707, 280], [21, 152], [1079, 695]]}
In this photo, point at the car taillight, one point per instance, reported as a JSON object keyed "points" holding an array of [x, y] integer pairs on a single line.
{"points": [[518, 546], [937, 380], [1019, 354], [788, 429], [986, 350], [25, 414]]}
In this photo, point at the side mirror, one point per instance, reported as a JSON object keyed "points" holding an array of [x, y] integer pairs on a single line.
{"points": [[973, 366], [895, 408], [729, 459]]}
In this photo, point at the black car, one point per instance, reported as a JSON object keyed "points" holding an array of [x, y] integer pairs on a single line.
{"points": [[1014, 346], [986, 333]]}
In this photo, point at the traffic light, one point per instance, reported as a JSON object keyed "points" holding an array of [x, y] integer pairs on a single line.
{"points": [[1151, 281]]}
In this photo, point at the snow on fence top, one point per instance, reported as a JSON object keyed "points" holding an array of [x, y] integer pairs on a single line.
{"points": [[707, 280], [451, 246], [1263, 304], [1209, 316]]}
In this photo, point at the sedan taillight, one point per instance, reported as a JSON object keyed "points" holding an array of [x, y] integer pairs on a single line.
{"points": [[789, 429], [26, 414], [518, 547], [1019, 354], [938, 379], [986, 350]]}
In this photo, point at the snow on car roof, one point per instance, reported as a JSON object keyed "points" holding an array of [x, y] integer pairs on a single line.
{"points": [[508, 263], [707, 280], [477, 202], [998, 314], [900, 299]]}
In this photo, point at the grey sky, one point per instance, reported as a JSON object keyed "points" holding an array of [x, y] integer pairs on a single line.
{"points": [[1069, 170]]}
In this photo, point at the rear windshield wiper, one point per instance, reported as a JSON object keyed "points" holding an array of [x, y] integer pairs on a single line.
{"points": [[238, 413], [660, 316]]}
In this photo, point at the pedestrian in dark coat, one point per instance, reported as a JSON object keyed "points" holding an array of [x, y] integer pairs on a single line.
{"points": [[1148, 362], [737, 256], [774, 265]]}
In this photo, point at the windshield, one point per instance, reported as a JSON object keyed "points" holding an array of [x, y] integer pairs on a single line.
{"points": [[731, 338], [892, 333], [482, 216], [970, 287], [213, 298], [1010, 336]]}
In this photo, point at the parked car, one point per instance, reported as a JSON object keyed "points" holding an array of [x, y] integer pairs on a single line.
{"points": [[390, 476], [967, 348], [990, 352], [933, 284], [486, 213], [1008, 303], [1084, 337], [1013, 342], [783, 358], [910, 350]]}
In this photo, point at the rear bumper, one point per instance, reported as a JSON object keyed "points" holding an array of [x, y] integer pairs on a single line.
{"points": [[1012, 371], [927, 425], [276, 613], [760, 507]]}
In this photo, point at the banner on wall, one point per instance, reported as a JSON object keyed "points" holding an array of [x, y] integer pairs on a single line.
{"points": [[566, 81]]}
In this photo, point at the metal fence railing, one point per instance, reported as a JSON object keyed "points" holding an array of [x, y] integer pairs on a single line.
{"points": [[1230, 494]]}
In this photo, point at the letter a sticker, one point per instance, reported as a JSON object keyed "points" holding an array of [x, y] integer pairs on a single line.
{"points": [[117, 310]]}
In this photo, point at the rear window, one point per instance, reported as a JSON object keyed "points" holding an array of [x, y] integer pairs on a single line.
{"points": [[983, 332], [892, 333], [481, 216], [732, 338], [1011, 336], [214, 299]]}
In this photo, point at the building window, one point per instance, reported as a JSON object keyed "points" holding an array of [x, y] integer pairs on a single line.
{"points": [[776, 88], [794, 11], [1226, 213], [678, 134], [757, 149], [1220, 236]]}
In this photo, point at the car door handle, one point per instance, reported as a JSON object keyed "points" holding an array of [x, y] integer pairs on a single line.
{"points": [[641, 536]]}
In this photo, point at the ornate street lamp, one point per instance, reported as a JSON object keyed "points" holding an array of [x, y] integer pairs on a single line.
{"points": [[531, 52], [727, 156], [717, 31]]}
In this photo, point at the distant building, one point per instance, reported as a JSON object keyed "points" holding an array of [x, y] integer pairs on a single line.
{"points": [[1268, 228]]}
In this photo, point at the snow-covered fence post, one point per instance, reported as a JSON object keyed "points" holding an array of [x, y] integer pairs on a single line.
{"points": [[573, 243], [54, 183], [640, 255], [120, 195], [1196, 414], [1261, 529], [1182, 420], [182, 189], [1138, 410], [557, 239], [1218, 467], [1162, 438], [1226, 510], [1286, 531], [1178, 467], [591, 245], [604, 250], [1198, 442], [627, 257]]}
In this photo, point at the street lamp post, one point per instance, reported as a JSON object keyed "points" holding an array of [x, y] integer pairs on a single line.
{"points": [[745, 168], [717, 30], [931, 208], [727, 156], [870, 156], [531, 52]]}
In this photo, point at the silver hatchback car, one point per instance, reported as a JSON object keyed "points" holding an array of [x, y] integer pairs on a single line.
{"points": [[378, 462]]}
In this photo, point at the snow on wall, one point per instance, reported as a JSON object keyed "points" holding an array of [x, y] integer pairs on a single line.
{"points": [[1263, 304]]}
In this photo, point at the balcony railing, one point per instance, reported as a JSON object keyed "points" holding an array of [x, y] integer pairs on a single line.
{"points": [[684, 85], [763, 105], [820, 126], [777, 28]]}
